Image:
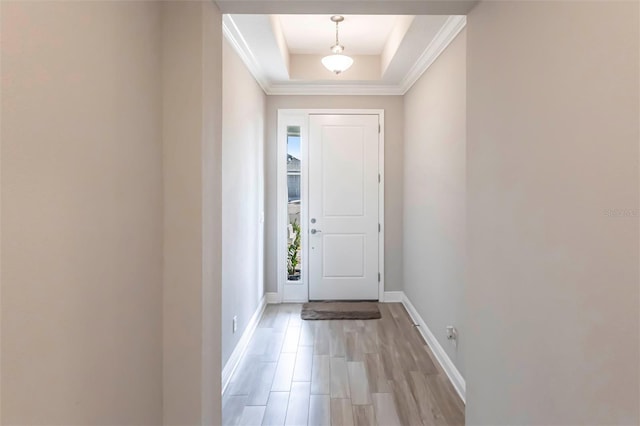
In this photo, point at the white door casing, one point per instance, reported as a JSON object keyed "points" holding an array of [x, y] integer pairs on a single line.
{"points": [[343, 201]]}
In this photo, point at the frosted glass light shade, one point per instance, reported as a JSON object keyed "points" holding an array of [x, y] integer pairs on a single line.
{"points": [[337, 63]]}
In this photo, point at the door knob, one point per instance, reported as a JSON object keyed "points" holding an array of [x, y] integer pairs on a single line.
{"points": [[314, 231]]}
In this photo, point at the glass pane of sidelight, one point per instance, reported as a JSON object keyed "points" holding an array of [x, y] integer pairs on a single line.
{"points": [[294, 243]]}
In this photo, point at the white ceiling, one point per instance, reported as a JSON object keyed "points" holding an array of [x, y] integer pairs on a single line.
{"points": [[390, 52], [355, 7], [315, 34]]}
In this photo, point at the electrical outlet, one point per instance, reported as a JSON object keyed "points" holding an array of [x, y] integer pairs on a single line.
{"points": [[235, 323], [452, 333]]}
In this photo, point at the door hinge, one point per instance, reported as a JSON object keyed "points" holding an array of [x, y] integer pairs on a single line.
{"points": [[378, 276], [378, 128], [379, 227], [379, 178]]}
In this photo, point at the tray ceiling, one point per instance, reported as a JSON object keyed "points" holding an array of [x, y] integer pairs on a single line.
{"points": [[390, 52]]}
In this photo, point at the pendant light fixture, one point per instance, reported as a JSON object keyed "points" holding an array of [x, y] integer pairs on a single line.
{"points": [[337, 62]]}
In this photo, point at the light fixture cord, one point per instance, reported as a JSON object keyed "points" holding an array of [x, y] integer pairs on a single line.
{"points": [[337, 42]]}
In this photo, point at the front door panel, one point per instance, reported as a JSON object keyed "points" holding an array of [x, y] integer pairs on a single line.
{"points": [[343, 207]]}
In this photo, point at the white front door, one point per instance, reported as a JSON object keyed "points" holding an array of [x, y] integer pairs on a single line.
{"points": [[343, 207]]}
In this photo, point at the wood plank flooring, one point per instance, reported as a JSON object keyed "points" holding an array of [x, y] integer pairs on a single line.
{"points": [[355, 372]]}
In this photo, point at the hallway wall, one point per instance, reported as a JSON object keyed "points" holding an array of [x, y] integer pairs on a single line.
{"points": [[111, 130], [552, 291], [81, 213], [394, 138], [434, 196], [242, 197], [192, 173]]}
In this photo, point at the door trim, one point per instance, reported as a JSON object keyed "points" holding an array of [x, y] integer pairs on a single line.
{"points": [[300, 117]]}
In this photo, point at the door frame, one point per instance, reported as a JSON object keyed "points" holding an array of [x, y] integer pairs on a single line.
{"points": [[300, 117]]}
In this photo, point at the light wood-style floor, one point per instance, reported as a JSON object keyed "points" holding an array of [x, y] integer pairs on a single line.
{"points": [[375, 372]]}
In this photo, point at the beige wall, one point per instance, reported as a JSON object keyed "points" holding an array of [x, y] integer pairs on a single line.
{"points": [[242, 197], [192, 133], [434, 196], [552, 294], [310, 68], [81, 213], [211, 160], [394, 128]]}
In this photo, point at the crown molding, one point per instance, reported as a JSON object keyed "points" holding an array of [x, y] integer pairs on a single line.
{"points": [[334, 89], [239, 44], [443, 38]]}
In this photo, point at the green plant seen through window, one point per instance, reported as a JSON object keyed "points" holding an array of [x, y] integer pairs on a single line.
{"points": [[293, 258]]}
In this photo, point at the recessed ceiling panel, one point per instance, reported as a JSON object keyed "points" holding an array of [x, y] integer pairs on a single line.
{"points": [[315, 34], [390, 53]]}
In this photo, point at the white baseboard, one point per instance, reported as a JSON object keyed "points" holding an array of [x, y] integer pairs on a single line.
{"points": [[393, 297], [242, 345], [447, 365], [272, 298]]}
